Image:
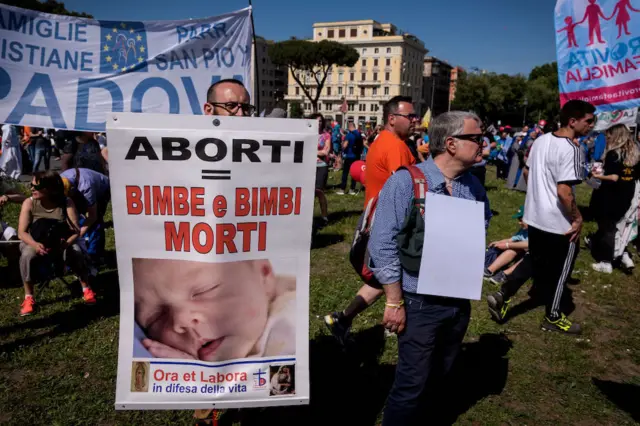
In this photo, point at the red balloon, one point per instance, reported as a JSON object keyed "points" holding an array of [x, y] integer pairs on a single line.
{"points": [[357, 171]]}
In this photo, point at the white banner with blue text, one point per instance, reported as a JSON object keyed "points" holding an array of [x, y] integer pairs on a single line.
{"points": [[66, 72]]}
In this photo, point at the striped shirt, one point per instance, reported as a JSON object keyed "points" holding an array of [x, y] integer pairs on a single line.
{"points": [[552, 160], [393, 208]]}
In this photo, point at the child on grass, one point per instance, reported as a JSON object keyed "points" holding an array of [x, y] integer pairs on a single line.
{"points": [[501, 253]]}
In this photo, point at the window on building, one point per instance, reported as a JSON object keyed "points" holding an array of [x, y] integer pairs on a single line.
{"points": [[354, 32], [375, 62], [373, 107], [351, 107], [341, 33], [330, 34], [264, 60], [319, 106], [340, 77], [263, 93], [339, 90], [362, 107], [328, 106], [364, 50], [351, 90], [364, 76], [364, 62], [297, 90], [352, 76], [328, 91], [376, 50], [386, 91], [388, 62], [375, 76], [374, 91], [362, 91], [386, 76], [388, 50]]}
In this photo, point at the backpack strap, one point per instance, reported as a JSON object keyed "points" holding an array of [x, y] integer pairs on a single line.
{"points": [[369, 214], [420, 185]]}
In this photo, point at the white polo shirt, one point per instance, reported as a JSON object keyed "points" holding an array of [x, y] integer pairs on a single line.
{"points": [[552, 160]]}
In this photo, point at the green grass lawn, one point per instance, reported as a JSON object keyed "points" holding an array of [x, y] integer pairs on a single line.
{"points": [[59, 367]]}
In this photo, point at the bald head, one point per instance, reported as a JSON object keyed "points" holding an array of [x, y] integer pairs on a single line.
{"points": [[229, 92]]}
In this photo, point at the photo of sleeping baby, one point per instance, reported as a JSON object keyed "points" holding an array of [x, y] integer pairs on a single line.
{"points": [[212, 311]]}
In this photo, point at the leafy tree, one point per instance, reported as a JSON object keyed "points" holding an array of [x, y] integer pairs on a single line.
{"points": [[313, 60], [49, 6], [543, 93], [501, 97], [295, 110], [492, 96]]}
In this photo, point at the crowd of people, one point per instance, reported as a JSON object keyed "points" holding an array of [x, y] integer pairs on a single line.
{"points": [[403, 162], [550, 162], [61, 224]]}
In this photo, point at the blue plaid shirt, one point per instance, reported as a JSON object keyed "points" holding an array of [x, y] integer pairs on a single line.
{"points": [[393, 207]]}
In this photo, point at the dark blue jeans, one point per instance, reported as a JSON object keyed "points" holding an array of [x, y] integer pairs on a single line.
{"points": [[346, 168], [39, 155], [428, 346]]}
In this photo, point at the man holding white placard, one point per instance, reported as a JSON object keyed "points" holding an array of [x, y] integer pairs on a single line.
{"points": [[430, 328]]}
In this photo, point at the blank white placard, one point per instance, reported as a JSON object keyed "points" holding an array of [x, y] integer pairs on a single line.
{"points": [[454, 245]]}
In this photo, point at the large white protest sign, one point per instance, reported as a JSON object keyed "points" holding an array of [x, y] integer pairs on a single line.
{"points": [[453, 251], [70, 73], [212, 221]]}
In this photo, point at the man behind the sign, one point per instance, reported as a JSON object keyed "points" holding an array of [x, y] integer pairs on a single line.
{"points": [[228, 97]]}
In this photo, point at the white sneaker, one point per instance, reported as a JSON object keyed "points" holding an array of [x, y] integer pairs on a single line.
{"points": [[353, 193], [604, 267], [340, 192], [626, 261]]}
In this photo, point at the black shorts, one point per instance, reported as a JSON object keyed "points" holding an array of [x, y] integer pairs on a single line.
{"points": [[322, 174]]}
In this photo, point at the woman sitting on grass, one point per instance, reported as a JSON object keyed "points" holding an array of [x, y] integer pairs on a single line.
{"points": [[48, 228]]}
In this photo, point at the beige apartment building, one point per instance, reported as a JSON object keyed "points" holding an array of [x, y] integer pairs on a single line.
{"points": [[390, 64]]}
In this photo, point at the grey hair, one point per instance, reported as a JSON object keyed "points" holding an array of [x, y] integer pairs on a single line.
{"points": [[446, 125]]}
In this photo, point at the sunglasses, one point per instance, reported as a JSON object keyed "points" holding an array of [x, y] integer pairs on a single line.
{"points": [[232, 107], [37, 186], [472, 137], [410, 117]]}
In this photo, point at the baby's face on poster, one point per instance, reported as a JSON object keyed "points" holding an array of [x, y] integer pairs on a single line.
{"points": [[210, 311]]}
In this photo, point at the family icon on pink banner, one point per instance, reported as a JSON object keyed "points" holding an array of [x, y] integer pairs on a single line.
{"points": [[593, 13]]}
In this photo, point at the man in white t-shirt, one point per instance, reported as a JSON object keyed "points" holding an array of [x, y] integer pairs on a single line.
{"points": [[553, 168]]}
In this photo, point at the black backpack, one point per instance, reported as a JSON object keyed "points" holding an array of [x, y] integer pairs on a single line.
{"points": [[409, 239]]}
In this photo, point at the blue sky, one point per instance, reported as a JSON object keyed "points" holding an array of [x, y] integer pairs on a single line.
{"points": [[504, 36]]}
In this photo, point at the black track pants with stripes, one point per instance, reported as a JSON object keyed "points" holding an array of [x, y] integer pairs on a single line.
{"points": [[552, 256]]}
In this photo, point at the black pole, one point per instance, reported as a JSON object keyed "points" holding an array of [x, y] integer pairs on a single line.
{"points": [[255, 60]]}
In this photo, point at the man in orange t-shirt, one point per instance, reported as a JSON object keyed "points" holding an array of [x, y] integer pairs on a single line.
{"points": [[387, 154]]}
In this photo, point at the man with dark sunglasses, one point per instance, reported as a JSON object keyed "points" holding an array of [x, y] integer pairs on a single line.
{"points": [[387, 154], [430, 328], [228, 97]]}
